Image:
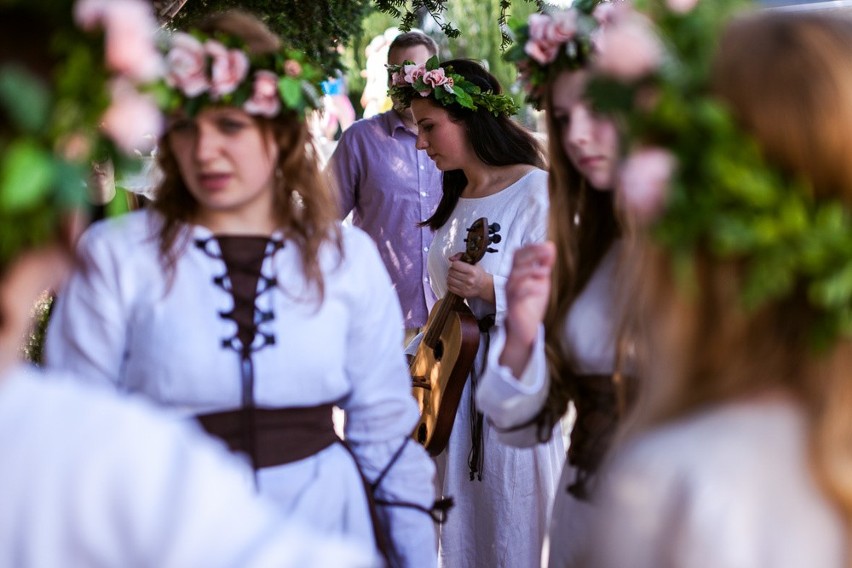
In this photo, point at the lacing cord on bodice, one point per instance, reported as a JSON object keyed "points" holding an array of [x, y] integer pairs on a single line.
{"points": [[243, 280]]}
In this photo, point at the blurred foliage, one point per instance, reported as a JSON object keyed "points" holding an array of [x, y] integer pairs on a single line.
{"points": [[340, 30], [483, 37], [316, 27], [446, 14]]}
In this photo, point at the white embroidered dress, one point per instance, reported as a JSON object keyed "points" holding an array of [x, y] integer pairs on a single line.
{"points": [[511, 402], [121, 322], [501, 520]]}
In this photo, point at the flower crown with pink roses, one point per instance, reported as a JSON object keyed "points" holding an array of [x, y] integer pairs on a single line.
{"points": [[548, 43], [410, 81], [217, 69], [88, 110], [698, 182]]}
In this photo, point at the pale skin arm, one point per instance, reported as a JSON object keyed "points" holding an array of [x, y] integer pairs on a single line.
{"points": [[470, 280], [527, 293]]}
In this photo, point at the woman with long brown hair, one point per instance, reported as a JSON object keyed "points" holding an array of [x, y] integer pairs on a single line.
{"points": [[239, 300], [558, 346], [739, 453]]}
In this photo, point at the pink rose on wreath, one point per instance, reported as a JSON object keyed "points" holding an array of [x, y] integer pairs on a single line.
{"points": [[413, 72], [398, 80], [629, 49], [130, 28], [563, 26], [292, 68], [543, 52], [438, 78], [264, 99], [130, 35], [132, 120], [229, 69], [644, 182], [538, 24], [604, 13], [88, 14], [681, 6], [186, 64]]}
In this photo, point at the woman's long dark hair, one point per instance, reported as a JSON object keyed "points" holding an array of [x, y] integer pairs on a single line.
{"points": [[496, 140]]}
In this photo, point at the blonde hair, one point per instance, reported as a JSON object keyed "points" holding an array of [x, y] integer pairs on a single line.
{"points": [[786, 79], [304, 205]]}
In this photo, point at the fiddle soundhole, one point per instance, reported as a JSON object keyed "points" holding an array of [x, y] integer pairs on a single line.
{"points": [[438, 352], [421, 434]]}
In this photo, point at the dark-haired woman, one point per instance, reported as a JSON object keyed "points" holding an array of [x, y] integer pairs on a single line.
{"points": [[492, 168], [237, 298]]}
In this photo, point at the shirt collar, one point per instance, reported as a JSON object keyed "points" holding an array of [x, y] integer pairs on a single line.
{"points": [[394, 123]]}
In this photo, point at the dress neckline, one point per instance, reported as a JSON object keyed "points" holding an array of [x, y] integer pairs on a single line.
{"points": [[511, 186]]}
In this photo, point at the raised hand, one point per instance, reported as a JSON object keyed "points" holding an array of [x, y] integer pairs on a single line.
{"points": [[527, 294]]}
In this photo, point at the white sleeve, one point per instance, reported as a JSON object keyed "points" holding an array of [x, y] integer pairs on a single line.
{"points": [[87, 332], [177, 498], [510, 403], [645, 519], [500, 306], [381, 412]]}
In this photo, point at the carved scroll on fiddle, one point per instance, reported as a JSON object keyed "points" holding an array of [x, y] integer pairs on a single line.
{"points": [[447, 351]]}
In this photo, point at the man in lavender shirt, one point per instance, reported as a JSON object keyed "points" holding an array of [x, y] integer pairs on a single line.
{"points": [[392, 186]]}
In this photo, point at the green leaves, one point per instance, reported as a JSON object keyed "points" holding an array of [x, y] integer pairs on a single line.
{"points": [[25, 100], [26, 175], [291, 92]]}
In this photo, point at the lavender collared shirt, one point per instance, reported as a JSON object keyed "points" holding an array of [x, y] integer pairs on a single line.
{"points": [[391, 186]]}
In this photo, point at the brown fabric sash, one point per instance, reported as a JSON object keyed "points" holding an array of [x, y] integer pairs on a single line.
{"points": [[596, 398], [281, 435]]}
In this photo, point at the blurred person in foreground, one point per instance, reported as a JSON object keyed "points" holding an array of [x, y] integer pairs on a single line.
{"points": [[89, 479], [738, 174]]}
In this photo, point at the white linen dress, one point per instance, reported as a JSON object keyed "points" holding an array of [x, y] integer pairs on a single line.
{"points": [[728, 487], [511, 402], [91, 479], [500, 520], [122, 322]]}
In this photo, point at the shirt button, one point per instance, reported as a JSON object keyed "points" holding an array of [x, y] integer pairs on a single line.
{"points": [[423, 194], [425, 249], [422, 167]]}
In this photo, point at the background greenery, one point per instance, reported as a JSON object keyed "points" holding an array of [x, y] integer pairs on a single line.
{"points": [[463, 28]]}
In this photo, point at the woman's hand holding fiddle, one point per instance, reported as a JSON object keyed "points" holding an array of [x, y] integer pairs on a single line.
{"points": [[527, 295], [469, 280]]}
